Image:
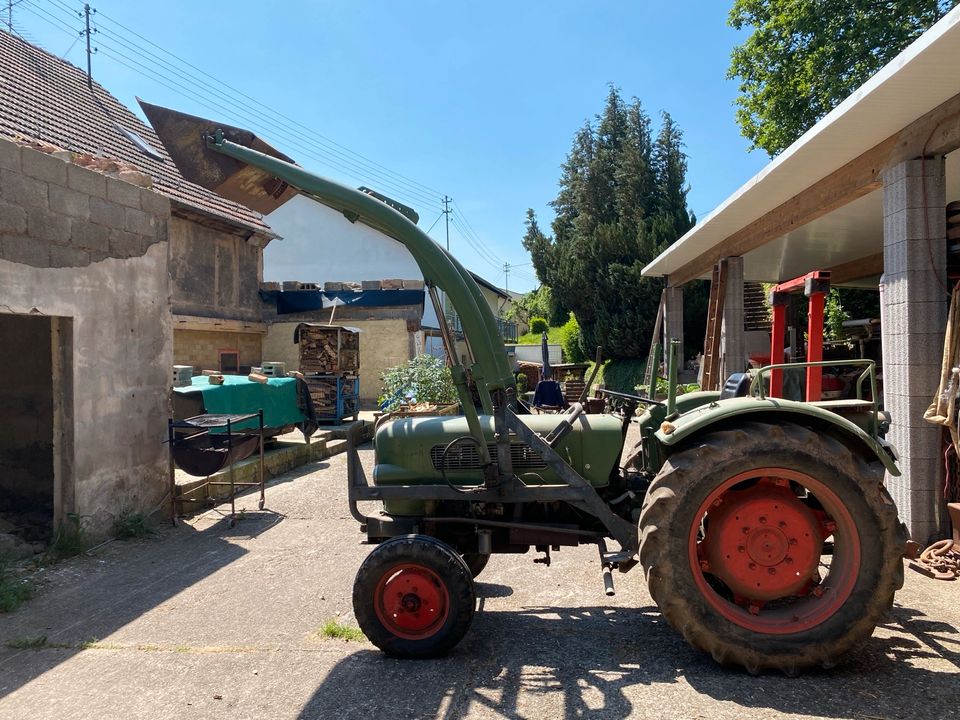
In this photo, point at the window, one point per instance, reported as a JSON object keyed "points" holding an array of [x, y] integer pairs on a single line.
{"points": [[229, 361], [142, 145]]}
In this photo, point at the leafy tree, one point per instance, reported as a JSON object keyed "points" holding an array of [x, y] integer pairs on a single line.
{"points": [[536, 303], [621, 201], [805, 56]]}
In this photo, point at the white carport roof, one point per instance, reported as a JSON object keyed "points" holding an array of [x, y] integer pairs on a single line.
{"points": [[921, 78]]}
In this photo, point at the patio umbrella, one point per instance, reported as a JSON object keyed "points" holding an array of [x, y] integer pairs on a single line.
{"points": [[547, 372]]}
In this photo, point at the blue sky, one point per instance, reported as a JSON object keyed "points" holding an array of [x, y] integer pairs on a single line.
{"points": [[479, 101]]}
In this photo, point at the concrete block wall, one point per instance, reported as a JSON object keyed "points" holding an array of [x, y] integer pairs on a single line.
{"points": [[201, 348], [733, 349], [55, 214], [914, 308], [91, 251]]}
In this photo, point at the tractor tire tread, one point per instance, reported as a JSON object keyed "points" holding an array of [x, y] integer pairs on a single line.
{"points": [[662, 559]]}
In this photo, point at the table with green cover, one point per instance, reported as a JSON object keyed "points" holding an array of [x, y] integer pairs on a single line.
{"points": [[278, 398]]}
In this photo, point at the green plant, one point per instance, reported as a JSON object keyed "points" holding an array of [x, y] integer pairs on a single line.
{"points": [[425, 379], [338, 631], [523, 382], [34, 643], [70, 539], [538, 325], [834, 315], [128, 524], [13, 590], [623, 375], [570, 341]]}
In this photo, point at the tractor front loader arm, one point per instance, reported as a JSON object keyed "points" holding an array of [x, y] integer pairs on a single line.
{"points": [[241, 167]]}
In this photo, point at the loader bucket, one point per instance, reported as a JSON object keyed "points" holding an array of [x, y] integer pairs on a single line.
{"points": [[184, 137]]}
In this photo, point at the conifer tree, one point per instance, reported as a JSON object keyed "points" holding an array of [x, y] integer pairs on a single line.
{"points": [[621, 201]]}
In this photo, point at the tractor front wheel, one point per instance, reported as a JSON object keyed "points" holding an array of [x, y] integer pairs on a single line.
{"points": [[413, 597], [476, 562], [771, 546]]}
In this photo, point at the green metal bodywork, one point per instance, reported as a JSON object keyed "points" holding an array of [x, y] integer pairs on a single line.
{"points": [[408, 450], [702, 411]]}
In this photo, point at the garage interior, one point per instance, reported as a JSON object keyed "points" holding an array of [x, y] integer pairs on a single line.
{"points": [[34, 352]]}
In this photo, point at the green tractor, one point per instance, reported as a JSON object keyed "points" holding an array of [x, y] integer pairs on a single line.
{"points": [[762, 525]]}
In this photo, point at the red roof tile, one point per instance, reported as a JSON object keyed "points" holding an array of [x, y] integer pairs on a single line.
{"points": [[44, 97]]}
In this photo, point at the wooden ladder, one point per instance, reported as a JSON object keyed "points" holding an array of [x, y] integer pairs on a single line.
{"points": [[711, 344], [653, 357]]}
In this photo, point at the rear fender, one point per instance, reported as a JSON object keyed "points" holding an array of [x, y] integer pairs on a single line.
{"points": [[772, 410]]}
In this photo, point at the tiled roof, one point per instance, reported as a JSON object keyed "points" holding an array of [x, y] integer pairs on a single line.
{"points": [[44, 97]]}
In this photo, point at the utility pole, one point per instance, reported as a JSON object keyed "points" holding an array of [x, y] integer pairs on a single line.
{"points": [[86, 14], [506, 277], [446, 213], [10, 16]]}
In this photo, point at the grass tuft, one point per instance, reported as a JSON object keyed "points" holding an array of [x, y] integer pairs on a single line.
{"points": [[338, 631], [34, 643], [13, 590], [130, 525], [70, 540]]}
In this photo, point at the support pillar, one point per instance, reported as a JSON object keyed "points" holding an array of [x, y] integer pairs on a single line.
{"points": [[673, 319], [913, 312], [733, 345]]}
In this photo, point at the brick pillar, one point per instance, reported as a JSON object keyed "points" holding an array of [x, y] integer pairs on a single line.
{"points": [[673, 320], [913, 315], [733, 346]]}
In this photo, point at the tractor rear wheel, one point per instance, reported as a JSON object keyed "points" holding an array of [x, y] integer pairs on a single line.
{"points": [[771, 546], [413, 597]]}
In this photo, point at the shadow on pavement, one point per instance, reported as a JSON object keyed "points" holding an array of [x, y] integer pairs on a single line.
{"points": [[605, 660], [96, 595]]}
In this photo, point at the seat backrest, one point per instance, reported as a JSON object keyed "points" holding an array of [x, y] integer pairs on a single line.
{"points": [[737, 385]]}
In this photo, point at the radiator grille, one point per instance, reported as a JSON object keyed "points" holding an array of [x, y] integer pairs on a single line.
{"points": [[464, 456]]}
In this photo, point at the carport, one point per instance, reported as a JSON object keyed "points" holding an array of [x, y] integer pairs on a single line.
{"points": [[862, 194]]}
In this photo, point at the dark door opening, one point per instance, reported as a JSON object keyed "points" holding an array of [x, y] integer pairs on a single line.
{"points": [[28, 359]]}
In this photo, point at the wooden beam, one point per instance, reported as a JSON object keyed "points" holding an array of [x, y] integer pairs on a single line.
{"points": [[857, 269], [936, 133], [207, 324]]}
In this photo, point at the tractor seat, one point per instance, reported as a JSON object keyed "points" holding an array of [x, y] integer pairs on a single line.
{"points": [[737, 385]]}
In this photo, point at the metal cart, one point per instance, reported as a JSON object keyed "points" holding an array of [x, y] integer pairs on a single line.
{"points": [[202, 453]]}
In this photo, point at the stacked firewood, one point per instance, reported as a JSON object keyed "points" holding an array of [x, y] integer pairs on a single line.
{"points": [[329, 350], [323, 392]]}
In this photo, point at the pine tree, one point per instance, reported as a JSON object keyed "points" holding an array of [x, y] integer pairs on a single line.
{"points": [[621, 201]]}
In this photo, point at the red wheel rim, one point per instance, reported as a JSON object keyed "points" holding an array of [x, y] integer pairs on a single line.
{"points": [[412, 601], [755, 550]]}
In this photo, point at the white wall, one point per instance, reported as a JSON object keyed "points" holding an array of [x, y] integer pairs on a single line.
{"points": [[320, 245]]}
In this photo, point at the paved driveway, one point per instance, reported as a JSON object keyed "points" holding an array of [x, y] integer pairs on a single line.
{"points": [[207, 621]]}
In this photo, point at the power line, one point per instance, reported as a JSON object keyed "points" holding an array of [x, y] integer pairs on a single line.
{"points": [[475, 241], [120, 48], [406, 180]]}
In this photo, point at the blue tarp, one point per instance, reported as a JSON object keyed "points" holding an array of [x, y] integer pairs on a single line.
{"points": [[298, 301]]}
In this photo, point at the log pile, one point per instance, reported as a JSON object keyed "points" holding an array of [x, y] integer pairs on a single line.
{"points": [[323, 392], [328, 350]]}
